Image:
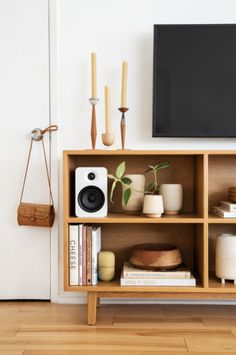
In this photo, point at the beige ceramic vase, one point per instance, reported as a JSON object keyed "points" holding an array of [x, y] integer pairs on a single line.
{"points": [[172, 198], [226, 257], [135, 203]]}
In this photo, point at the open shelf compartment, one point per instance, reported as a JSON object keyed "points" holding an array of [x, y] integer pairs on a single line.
{"points": [[215, 282], [222, 173], [185, 169], [120, 238]]}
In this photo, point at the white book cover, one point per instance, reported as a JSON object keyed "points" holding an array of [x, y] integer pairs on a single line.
{"points": [[130, 271], [159, 282], [228, 206], [74, 254], [222, 213], [96, 248], [80, 253]]}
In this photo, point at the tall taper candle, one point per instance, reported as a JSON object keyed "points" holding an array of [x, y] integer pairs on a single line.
{"points": [[124, 84], [107, 109], [94, 75]]}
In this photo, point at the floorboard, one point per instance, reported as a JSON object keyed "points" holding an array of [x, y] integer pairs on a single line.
{"points": [[43, 328]]}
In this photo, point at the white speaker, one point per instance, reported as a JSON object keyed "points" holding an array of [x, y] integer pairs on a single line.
{"points": [[91, 192]]}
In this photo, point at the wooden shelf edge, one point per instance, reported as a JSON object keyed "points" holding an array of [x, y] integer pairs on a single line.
{"points": [[220, 220], [214, 286], [121, 218], [157, 290], [147, 152]]}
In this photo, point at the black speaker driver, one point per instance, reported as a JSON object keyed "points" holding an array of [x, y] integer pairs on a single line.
{"points": [[91, 199]]}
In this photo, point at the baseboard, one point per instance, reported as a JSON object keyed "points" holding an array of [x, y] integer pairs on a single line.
{"points": [[78, 298]]}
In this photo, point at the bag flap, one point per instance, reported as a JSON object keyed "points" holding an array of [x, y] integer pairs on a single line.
{"points": [[34, 211]]}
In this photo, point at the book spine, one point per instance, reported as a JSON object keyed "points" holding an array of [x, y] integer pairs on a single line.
{"points": [[84, 251], [161, 275], [229, 207], [155, 282], [96, 247], [80, 254], [73, 255], [89, 255], [222, 213]]}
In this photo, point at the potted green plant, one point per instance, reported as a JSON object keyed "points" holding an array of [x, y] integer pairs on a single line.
{"points": [[132, 189], [153, 202]]}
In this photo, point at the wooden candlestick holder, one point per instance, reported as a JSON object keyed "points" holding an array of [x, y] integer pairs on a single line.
{"points": [[123, 125], [108, 138], [93, 102]]}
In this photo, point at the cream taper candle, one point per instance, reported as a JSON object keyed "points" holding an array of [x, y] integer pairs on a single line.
{"points": [[124, 84], [94, 75], [107, 109]]}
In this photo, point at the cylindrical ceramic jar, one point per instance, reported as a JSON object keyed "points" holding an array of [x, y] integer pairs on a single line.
{"points": [[172, 198], [153, 205], [226, 257], [135, 203], [106, 265]]}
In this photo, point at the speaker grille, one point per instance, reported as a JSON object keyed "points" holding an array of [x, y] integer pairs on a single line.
{"points": [[91, 199]]}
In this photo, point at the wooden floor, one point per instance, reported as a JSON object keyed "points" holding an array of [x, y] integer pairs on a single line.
{"points": [[42, 328]]}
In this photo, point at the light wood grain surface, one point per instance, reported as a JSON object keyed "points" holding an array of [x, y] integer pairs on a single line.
{"points": [[205, 176], [43, 328]]}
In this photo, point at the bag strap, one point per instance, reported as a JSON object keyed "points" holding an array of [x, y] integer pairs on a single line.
{"points": [[48, 129]]}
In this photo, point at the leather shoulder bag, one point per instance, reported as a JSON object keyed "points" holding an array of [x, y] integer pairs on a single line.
{"points": [[34, 214]]}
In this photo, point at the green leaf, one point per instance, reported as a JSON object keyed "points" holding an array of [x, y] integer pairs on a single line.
{"points": [[126, 180], [162, 165], [120, 170], [127, 195], [112, 190], [111, 176]]}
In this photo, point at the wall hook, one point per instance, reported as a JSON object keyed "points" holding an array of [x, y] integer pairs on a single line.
{"points": [[37, 133]]}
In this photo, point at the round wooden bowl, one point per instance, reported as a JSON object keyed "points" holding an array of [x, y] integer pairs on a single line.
{"points": [[155, 256]]}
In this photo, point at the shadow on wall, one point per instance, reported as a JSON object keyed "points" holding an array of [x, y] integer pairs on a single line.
{"points": [[145, 87]]}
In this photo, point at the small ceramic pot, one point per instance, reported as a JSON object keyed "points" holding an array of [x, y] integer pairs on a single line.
{"points": [[172, 197], [153, 205], [135, 203]]}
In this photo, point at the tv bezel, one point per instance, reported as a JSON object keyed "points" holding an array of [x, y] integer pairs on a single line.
{"points": [[154, 105]]}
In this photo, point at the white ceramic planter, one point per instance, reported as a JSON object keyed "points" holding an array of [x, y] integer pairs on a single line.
{"points": [[172, 198], [153, 205], [135, 203], [226, 257]]}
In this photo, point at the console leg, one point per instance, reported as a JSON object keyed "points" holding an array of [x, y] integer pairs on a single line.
{"points": [[92, 307]]}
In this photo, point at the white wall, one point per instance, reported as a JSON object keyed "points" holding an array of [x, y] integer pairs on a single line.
{"points": [[118, 30]]}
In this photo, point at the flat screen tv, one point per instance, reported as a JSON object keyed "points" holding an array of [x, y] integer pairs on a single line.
{"points": [[194, 81]]}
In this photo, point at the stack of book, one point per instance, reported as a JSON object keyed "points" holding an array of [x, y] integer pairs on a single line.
{"points": [[84, 246], [132, 276], [226, 209]]}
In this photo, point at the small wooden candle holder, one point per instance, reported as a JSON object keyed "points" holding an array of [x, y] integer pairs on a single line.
{"points": [[93, 102], [108, 138], [123, 125]]}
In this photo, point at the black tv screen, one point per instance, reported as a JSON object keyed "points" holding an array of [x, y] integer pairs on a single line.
{"points": [[194, 81]]}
